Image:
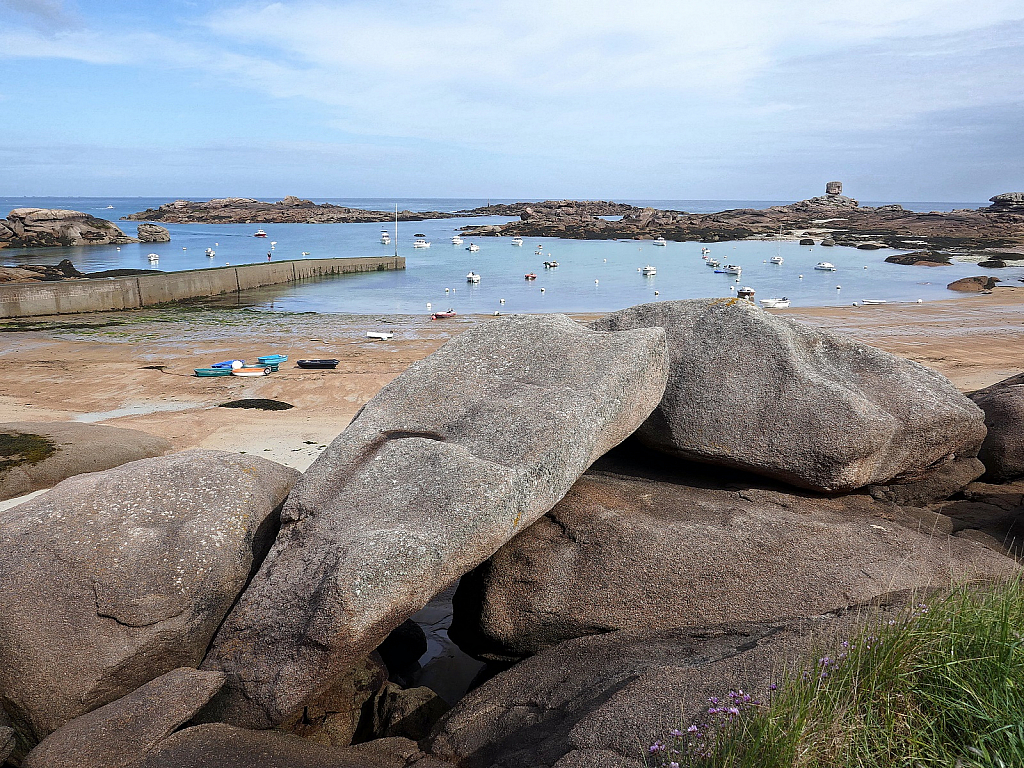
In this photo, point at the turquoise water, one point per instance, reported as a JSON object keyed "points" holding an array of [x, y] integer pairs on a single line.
{"points": [[593, 276]]}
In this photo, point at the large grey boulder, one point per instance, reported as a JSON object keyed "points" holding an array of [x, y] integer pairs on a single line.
{"points": [[818, 410], [464, 450], [153, 233], [35, 455], [120, 734], [48, 227], [621, 552], [113, 578], [1002, 453]]}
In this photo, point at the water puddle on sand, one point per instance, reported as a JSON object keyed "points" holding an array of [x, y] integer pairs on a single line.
{"points": [[139, 409]]}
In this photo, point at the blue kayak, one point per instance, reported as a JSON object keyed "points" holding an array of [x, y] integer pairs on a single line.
{"points": [[227, 363]]}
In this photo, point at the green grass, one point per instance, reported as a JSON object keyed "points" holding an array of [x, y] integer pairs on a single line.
{"points": [[943, 685], [18, 448]]}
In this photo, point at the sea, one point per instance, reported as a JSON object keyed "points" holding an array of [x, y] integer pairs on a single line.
{"points": [[593, 275]]}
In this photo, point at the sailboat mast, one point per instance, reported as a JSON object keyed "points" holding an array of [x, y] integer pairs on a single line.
{"points": [[396, 230]]}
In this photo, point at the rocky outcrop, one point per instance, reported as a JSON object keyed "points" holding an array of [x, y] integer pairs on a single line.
{"points": [[973, 284], [711, 548], [120, 734], [601, 700], [464, 450], [51, 228], [1003, 450], [153, 233], [290, 210], [113, 578], [759, 392], [921, 259], [1008, 202], [962, 231], [36, 454]]}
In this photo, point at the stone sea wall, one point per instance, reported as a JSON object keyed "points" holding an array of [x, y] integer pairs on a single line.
{"points": [[103, 294]]}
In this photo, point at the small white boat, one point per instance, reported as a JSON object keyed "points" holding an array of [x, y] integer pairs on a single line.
{"points": [[782, 303], [456, 240], [472, 277], [745, 292], [713, 263], [210, 253], [382, 335], [649, 271], [732, 269], [153, 258], [259, 233], [421, 242], [473, 247], [385, 237], [872, 301], [825, 266], [517, 240], [775, 259], [660, 241]]}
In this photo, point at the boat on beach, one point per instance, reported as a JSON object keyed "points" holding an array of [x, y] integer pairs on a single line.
{"points": [[321, 363], [872, 301], [380, 335], [782, 303], [825, 266], [211, 371], [251, 371], [444, 315]]}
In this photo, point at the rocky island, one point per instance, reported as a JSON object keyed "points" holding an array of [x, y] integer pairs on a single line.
{"points": [[295, 210], [832, 219], [49, 228]]}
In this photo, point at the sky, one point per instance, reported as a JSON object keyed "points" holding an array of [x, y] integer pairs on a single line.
{"points": [[902, 100]]}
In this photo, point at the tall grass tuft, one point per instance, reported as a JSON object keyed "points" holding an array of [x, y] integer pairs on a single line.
{"points": [[941, 686]]}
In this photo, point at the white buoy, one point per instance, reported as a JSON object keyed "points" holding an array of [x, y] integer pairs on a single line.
{"points": [[801, 277], [184, 248], [605, 260], [865, 266], [856, 304], [920, 301], [839, 287], [657, 294], [732, 287], [542, 290], [119, 248], [216, 244], [496, 313], [446, 290], [501, 301], [595, 282], [428, 305], [236, 364]]}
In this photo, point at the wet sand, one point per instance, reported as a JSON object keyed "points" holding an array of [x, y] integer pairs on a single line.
{"points": [[103, 368]]}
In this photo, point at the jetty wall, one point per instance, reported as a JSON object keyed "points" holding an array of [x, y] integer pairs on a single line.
{"points": [[103, 294]]}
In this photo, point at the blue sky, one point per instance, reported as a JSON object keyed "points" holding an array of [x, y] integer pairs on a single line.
{"points": [[732, 99]]}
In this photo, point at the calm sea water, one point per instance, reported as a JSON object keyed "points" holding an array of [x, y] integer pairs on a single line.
{"points": [[593, 276]]}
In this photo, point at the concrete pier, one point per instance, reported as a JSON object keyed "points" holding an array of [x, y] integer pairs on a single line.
{"points": [[104, 294]]}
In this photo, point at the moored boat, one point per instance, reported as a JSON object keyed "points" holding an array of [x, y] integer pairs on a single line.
{"points": [[530, 275], [318, 363], [825, 266], [649, 271], [732, 269], [550, 264], [517, 240], [385, 237], [259, 233], [472, 277], [713, 263], [473, 247], [660, 241], [775, 259], [746, 292], [456, 240], [421, 241]]}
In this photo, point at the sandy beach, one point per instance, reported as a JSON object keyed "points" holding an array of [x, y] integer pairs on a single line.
{"points": [[134, 369]]}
